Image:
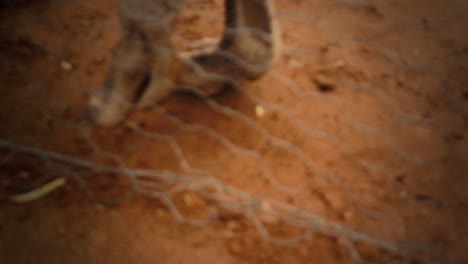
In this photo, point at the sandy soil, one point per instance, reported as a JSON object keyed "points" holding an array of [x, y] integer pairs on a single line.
{"points": [[371, 99]]}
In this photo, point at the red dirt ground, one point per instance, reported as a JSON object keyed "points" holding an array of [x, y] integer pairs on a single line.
{"points": [[387, 81]]}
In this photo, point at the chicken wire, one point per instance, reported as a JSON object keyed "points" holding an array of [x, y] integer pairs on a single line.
{"points": [[376, 120]]}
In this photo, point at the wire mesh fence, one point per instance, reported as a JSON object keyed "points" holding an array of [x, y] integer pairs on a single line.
{"points": [[357, 132]]}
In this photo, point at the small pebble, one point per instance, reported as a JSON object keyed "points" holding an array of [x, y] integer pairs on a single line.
{"points": [[266, 217], [66, 66], [259, 111], [295, 63], [324, 83], [191, 199], [188, 199]]}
